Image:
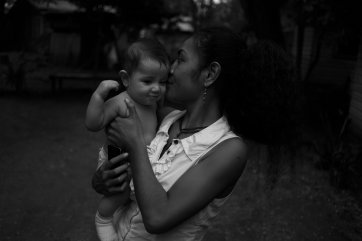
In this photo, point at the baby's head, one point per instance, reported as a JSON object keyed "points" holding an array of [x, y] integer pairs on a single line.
{"points": [[146, 68]]}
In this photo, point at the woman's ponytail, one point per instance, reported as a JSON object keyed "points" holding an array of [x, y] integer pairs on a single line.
{"points": [[261, 102]]}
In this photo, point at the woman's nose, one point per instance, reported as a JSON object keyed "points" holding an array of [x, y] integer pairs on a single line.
{"points": [[172, 69]]}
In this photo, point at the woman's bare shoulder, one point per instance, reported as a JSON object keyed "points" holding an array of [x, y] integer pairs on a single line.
{"points": [[232, 151], [235, 145]]}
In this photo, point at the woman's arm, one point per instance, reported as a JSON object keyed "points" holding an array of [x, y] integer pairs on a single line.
{"points": [[163, 210], [192, 192]]}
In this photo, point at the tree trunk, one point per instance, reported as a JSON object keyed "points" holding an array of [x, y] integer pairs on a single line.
{"points": [[2, 10], [193, 9], [264, 19], [300, 40], [316, 56], [299, 54], [2, 20]]}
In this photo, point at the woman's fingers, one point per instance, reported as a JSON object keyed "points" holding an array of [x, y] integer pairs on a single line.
{"points": [[130, 107], [115, 171], [115, 161], [117, 180], [112, 176], [119, 188], [129, 173]]}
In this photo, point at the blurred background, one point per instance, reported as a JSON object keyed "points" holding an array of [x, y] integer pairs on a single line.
{"points": [[53, 54]]}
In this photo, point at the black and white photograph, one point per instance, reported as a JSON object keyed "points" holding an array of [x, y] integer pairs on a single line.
{"points": [[180, 120]]}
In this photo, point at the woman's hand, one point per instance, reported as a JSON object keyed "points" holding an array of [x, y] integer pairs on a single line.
{"points": [[126, 132], [113, 176]]}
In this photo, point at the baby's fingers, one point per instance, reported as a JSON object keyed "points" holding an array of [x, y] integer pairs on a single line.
{"points": [[108, 85], [113, 84]]}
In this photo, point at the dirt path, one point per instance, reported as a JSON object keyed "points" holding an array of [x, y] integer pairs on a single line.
{"points": [[47, 159]]}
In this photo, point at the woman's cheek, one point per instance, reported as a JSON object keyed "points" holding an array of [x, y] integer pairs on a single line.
{"points": [[163, 90]]}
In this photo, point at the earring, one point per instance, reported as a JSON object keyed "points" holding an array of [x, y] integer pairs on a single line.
{"points": [[204, 94]]}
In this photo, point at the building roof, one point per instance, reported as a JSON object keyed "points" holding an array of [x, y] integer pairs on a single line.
{"points": [[61, 6]]}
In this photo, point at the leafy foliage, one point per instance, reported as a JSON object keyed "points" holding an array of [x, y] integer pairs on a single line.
{"points": [[133, 13], [324, 13]]}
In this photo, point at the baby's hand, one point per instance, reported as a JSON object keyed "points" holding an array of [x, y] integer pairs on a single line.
{"points": [[105, 87]]}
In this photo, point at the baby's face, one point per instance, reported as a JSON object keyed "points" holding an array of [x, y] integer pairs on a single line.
{"points": [[147, 84]]}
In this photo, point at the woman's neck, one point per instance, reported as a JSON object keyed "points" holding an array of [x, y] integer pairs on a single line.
{"points": [[202, 113]]}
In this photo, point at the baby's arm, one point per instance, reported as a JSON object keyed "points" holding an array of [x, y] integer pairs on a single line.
{"points": [[99, 112]]}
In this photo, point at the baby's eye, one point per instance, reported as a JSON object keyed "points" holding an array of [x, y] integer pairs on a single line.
{"points": [[147, 81]]}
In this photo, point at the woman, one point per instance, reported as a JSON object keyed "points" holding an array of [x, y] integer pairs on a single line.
{"points": [[190, 168]]}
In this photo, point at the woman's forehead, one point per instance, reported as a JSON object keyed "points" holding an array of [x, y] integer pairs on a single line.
{"points": [[188, 47]]}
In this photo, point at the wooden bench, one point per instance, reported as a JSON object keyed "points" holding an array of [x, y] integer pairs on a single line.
{"points": [[57, 78]]}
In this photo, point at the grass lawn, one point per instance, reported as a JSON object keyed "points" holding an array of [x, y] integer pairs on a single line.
{"points": [[48, 157]]}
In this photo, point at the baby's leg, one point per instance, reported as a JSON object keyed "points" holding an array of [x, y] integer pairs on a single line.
{"points": [[105, 228], [104, 217], [109, 204]]}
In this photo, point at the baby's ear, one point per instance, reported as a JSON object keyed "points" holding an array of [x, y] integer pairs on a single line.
{"points": [[124, 77]]}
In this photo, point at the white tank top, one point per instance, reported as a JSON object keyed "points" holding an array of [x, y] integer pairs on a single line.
{"points": [[180, 156]]}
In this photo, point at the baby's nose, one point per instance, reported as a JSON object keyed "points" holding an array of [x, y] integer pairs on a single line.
{"points": [[156, 88]]}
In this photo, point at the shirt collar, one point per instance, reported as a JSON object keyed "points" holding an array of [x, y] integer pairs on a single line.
{"points": [[199, 143], [169, 120]]}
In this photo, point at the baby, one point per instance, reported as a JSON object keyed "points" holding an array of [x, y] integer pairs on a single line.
{"points": [[144, 76]]}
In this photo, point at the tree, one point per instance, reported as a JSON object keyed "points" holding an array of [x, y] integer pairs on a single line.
{"points": [[2, 10], [332, 16], [264, 19], [135, 13], [226, 13], [129, 17]]}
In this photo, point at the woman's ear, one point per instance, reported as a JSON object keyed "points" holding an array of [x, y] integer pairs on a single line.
{"points": [[214, 70], [124, 77]]}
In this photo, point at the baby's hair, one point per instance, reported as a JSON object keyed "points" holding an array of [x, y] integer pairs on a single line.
{"points": [[149, 48]]}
